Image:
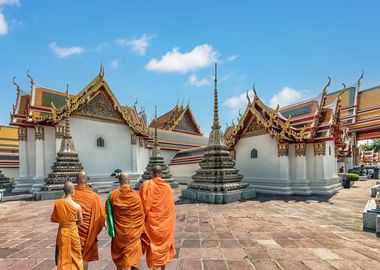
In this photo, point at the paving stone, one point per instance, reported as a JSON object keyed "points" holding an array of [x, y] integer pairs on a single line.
{"points": [[190, 253], [210, 243], [293, 265], [191, 244], [234, 253], [239, 265], [188, 264], [318, 265], [265, 265], [214, 265], [257, 254], [325, 254], [212, 253], [5, 252]]}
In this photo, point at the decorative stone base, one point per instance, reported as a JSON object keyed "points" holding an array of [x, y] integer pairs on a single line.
{"points": [[371, 217], [325, 187], [363, 178], [24, 185], [47, 195], [374, 190], [219, 197]]}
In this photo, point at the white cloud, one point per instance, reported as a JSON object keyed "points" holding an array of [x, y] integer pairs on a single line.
{"points": [[193, 80], [175, 61], [234, 104], [115, 63], [138, 45], [286, 97], [3, 22], [62, 52], [9, 2], [232, 58]]}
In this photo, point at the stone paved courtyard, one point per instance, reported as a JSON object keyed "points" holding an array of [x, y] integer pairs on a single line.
{"points": [[270, 232]]}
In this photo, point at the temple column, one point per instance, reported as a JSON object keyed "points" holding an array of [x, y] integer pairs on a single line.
{"points": [[23, 153], [301, 184], [355, 150], [325, 181], [40, 153], [284, 184]]}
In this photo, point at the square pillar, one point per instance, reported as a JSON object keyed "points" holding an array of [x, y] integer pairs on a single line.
{"points": [[40, 152], [23, 153], [301, 184]]}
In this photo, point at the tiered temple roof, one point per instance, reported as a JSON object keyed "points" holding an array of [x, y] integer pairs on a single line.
{"points": [[179, 119], [48, 107]]}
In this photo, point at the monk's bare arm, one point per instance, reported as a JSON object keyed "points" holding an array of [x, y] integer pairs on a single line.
{"points": [[80, 217]]}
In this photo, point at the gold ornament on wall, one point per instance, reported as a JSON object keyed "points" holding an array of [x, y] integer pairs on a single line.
{"points": [[319, 148]]}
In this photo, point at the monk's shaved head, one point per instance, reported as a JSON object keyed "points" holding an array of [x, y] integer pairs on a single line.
{"points": [[82, 178], [68, 188], [156, 171], [124, 178]]}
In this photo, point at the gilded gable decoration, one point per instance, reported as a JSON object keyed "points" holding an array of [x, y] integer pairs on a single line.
{"points": [[39, 132], [319, 148], [22, 134], [133, 138], [283, 149], [300, 149], [59, 131], [78, 102]]}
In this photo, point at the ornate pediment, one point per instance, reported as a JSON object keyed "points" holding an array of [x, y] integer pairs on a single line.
{"points": [[100, 107], [254, 128], [185, 124]]}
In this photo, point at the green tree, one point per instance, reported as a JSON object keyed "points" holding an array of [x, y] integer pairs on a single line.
{"points": [[373, 145]]}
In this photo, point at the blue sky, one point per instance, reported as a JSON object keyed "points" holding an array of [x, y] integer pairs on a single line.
{"points": [[162, 51]]}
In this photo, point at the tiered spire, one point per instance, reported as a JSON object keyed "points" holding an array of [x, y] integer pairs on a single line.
{"points": [[156, 160], [67, 164], [217, 173]]}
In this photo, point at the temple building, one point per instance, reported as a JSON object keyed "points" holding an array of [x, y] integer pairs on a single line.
{"points": [[9, 164], [296, 149], [107, 134]]}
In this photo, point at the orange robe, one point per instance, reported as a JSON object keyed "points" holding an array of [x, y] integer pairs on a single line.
{"points": [[94, 216], [68, 242], [128, 217], [158, 202]]}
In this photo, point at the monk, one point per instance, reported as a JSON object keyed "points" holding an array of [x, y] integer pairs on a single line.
{"points": [[158, 202], [69, 215], [128, 218], [94, 216]]}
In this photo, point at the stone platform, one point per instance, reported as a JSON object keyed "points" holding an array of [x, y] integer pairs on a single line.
{"points": [[47, 195], [219, 197]]}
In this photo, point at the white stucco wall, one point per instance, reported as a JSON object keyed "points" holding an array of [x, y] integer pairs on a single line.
{"points": [[102, 161], [31, 144], [49, 148], [182, 173], [265, 166], [10, 172]]}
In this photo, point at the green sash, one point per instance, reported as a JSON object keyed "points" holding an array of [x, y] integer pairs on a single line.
{"points": [[110, 225]]}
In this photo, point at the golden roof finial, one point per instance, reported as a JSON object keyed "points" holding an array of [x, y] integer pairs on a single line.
{"points": [[359, 80], [134, 104], [324, 92], [249, 100], [254, 90], [30, 76], [16, 84], [101, 70], [277, 109]]}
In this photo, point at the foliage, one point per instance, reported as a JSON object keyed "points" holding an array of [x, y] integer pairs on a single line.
{"points": [[352, 177], [373, 145], [116, 173]]}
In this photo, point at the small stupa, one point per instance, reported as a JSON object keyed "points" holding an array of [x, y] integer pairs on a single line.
{"points": [[67, 164], [217, 181], [156, 160]]}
